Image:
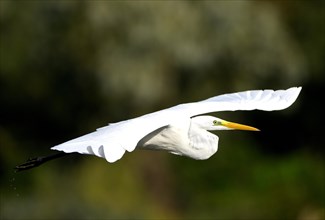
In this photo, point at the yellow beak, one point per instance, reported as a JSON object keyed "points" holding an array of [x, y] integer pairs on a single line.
{"points": [[237, 126]]}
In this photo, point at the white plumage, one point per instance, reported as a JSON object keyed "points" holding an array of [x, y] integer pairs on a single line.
{"points": [[175, 129]]}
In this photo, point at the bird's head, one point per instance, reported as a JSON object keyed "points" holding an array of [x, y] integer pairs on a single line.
{"points": [[213, 123]]}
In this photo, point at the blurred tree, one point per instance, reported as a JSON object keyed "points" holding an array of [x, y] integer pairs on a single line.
{"points": [[67, 67]]}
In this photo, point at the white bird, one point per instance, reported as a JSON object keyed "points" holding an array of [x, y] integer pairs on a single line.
{"points": [[180, 130]]}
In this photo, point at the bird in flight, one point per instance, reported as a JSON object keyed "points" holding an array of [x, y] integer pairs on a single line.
{"points": [[180, 130]]}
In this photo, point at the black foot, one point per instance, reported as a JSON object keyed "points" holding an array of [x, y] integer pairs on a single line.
{"points": [[35, 162], [30, 163]]}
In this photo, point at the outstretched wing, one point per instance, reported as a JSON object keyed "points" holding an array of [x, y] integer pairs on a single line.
{"points": [[266, 100], [112, 141]]}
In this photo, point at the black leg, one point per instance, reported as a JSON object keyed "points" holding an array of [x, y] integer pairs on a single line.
{"points": [[35, 162]]}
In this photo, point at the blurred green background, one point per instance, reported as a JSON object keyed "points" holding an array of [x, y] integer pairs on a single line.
{"points": [[68, 67]]}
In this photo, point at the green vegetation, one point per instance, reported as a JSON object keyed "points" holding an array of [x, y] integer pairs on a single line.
{"points": [[68, 67]]}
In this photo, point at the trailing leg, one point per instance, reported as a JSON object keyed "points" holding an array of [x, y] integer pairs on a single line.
{"points": [[35, 162]]}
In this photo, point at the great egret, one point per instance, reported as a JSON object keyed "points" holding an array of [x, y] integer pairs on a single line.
{"points": [[180, 130]]}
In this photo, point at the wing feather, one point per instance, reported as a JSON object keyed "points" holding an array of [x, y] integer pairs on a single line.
{"points": [[266, 100]]}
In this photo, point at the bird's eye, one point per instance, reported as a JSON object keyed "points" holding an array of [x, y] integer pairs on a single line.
{"points": [[215, 122]]}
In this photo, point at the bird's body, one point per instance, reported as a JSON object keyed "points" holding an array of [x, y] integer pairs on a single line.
{"points": [[178, 129], [183, 138]]}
